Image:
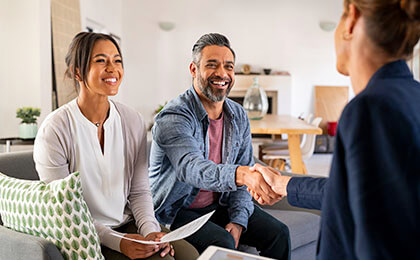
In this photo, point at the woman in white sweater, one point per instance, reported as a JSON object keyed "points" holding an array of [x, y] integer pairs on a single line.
{"points": [[106, 142]]}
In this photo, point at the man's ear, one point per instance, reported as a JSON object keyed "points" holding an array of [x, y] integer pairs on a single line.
{"points": [[193, 69], [351, 19]]}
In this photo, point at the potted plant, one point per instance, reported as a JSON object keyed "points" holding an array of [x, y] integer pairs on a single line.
{"points": [[157, 110], [28, 126]]}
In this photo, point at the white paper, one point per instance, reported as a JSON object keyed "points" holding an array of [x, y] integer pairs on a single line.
{"points": [[177, 234]]}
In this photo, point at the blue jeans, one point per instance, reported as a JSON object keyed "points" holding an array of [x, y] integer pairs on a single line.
{"points": [[266, 233]]}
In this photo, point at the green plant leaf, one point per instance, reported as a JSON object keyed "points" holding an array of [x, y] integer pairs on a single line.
{"points": [[44, 223], [84, 243], [30, 222], [37, 223], [28, 115], [51, 223], [84, 217], [76, 220], [66, 245], [67, 208], [58, 234], [43, 211], [92, 240], [76, 206], [60, 197], [76, 232], [83, 254], [75, 245], [59, 210], [92, 253], [58, 222], [74, 255], [34, 197], [51, 211], [85, 230], [67, 234], [69, 195], [67, 222], [72, 183], [58, 244]]}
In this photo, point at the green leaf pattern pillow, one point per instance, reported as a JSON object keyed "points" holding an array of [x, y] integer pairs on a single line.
{"points": [[55, 211]]}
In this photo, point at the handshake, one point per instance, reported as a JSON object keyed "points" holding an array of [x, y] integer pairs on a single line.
{"points": [[265, 184]]}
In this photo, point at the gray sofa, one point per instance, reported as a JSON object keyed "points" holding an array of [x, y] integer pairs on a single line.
{"points": [[15, 245], [303, 224]]}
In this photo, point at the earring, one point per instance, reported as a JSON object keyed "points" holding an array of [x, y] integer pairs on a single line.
{"points": [[347, 36]]}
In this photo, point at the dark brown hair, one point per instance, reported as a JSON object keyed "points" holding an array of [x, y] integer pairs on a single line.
{"points": [[78, 55], [393, 25]]}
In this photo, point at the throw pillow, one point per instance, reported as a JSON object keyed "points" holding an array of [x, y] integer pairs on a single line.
{"points": [[55, 211]]}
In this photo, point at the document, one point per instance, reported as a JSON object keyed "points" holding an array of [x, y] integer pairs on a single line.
{"points": [[177, 234]]}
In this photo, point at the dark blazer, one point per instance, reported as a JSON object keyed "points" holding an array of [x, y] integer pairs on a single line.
{"points": [[371, 201]]}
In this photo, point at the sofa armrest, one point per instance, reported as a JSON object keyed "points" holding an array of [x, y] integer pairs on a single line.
{"points": [[16, 245]]}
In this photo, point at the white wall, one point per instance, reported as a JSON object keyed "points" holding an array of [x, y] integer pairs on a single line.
{"points": [[282, 35], [25, 73], [107, 13], [25, 70], [104, 15]]}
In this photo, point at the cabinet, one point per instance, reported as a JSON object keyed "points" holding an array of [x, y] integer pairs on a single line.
{"points": [[277, 87]]}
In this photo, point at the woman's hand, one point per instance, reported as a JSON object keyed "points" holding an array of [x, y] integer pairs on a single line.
{"points": [[166, 247], [274, 178], [134, 250]]}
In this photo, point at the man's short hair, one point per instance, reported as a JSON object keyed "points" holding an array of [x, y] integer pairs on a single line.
{"points": [[207, 40]]}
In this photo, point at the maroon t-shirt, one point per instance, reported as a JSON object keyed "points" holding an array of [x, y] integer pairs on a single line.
{"points": [[204, 197]]}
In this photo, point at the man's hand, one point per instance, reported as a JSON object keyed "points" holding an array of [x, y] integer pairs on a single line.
{"points": [[277, 182], [255, 182], [167, 248], [134, 250], [235, 230]]}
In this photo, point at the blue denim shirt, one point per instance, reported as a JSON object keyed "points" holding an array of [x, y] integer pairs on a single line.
{"points": [[179, 164]]}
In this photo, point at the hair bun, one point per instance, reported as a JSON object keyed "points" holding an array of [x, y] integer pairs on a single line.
{"points": [[411, 8]]}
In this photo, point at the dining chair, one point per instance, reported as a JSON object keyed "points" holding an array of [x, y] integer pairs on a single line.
{"points": [[279, 158], [281, 144]]}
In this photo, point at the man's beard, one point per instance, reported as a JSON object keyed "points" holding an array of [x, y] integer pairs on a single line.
{"points": [[215, 95]]}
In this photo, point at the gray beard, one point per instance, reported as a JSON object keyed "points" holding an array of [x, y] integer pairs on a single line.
{"points": [[213, 95]]}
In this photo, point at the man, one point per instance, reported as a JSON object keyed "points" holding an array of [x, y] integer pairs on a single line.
{"points": [[200, 158]]}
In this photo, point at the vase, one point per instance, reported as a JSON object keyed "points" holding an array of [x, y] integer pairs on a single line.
{"points": [[28, 131], [255, 101]]}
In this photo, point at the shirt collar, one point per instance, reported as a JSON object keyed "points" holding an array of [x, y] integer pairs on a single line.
{"points": [[393, 69]]}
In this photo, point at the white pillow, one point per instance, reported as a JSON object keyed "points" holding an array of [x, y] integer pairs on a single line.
{"points": [[55, 211]]}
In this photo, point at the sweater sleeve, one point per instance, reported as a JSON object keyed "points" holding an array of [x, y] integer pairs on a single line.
{"points": [[50, 150], [140, 197], [106, 237]]}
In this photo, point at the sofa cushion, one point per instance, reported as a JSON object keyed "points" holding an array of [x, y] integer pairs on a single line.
{"points": [[19, 165], [55, 211], [303, 226]]}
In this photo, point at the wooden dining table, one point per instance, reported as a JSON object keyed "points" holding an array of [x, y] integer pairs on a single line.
{"points": [[293, 127]]}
